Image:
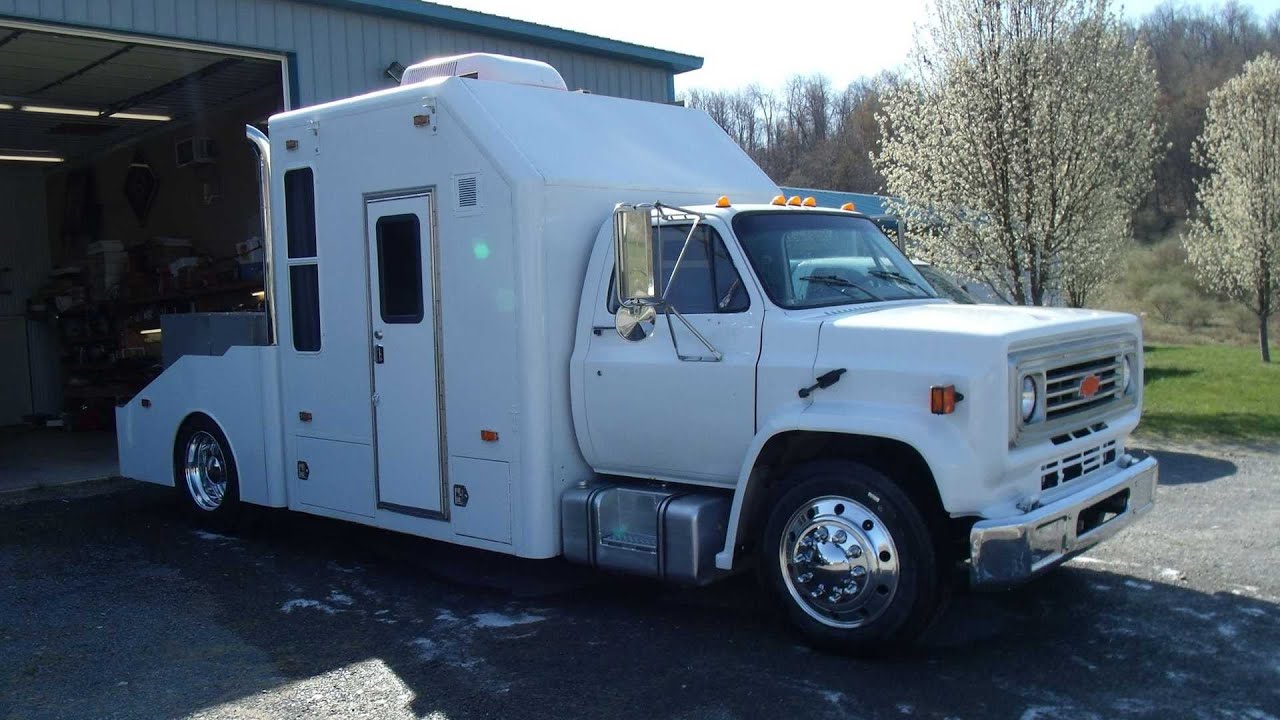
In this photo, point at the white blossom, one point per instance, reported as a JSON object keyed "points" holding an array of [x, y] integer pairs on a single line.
{"points": [[1234, 243], [1022, 142]]}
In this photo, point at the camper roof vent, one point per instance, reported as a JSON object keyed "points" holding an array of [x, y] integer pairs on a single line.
{"points": [[486, 66]]}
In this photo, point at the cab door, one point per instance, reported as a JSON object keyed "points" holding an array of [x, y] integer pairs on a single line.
{"points": [[407, 396], [651, 414]]}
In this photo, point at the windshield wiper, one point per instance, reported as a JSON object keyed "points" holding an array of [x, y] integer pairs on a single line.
{"points": [[895, 275], [839, 283]]}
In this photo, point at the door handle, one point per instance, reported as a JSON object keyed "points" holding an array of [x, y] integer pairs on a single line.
{"points": [[378, 356]]}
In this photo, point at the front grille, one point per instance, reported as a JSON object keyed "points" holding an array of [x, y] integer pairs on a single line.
{"points": [[1062, 385], [1077, 465]]}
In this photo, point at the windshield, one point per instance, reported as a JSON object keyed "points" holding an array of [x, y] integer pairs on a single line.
{"points": [[945, 285], [808, 259]]}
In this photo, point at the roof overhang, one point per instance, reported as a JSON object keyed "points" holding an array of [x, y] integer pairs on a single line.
{"points": [[421, 11]]}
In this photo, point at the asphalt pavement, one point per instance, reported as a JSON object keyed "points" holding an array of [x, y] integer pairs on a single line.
{"points": [[113, 606]]}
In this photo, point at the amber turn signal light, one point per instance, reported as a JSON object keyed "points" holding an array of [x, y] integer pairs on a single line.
{"points": [[489, 435], [943, 399]]}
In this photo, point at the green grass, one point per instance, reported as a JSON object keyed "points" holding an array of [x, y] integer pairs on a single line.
{"points": [[1212, 392]]}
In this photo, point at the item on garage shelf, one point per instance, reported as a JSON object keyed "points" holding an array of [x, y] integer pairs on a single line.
{"points": [[107, 261], [249, 259], [177, 266]]}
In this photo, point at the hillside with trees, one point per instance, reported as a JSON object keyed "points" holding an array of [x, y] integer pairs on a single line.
{"points": [[809, 133]]}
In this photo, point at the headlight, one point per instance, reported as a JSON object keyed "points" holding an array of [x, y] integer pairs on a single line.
{"points": [[1029, 398], [1126, 375]]}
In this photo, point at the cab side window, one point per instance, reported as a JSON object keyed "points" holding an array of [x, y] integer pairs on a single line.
{"points": [[707, 282]]}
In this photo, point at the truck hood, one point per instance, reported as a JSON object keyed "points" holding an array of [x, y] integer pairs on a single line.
{"points": [[1015, 324]]}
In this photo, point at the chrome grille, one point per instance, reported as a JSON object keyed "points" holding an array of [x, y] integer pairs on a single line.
{"points": [[1077, 465], [1062, 385]]}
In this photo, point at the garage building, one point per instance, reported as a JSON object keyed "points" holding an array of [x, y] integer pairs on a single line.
{"points": [[127, 189]]}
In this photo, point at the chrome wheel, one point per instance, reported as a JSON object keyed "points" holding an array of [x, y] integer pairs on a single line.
{"points": [[839, 562], [205, 470]]}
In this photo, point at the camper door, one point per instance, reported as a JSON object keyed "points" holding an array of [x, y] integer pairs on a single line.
{"points": [[408, 398]]}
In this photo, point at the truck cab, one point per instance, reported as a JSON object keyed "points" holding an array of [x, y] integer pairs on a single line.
{"points": [[811, 369], [504, 315]]}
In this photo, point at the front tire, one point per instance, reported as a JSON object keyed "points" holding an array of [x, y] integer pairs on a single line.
{"points": [[850, 560], [205, 475]]}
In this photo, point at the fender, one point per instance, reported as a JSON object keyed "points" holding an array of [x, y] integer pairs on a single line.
{"points": [[232, 389], [940, 440]]}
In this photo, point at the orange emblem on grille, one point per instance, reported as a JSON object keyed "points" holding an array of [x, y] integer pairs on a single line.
{"points": [[1089, 385]]}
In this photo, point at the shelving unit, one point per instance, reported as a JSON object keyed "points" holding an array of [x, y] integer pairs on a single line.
{"points": [[106, 359]]}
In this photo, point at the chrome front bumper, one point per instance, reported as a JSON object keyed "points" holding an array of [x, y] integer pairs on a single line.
{"points": [[1008, 551]]}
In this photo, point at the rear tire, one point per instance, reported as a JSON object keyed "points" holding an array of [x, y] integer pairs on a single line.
{"points": [[204, 473], [850, 559]]}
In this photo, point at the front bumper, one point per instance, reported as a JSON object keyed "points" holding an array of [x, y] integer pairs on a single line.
{"points": [[1008, 551]]}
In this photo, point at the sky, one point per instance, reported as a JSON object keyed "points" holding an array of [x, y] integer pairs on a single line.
{"points": [[750, 41]]}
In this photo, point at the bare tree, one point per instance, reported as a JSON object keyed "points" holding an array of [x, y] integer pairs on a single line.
{"points": [[1194, 51], [1234, 244], [1027, 132]]}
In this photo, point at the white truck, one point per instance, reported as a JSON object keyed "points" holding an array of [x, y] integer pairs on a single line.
{"points": [[548, 323]]}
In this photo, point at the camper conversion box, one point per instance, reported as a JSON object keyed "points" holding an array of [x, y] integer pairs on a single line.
{"points": [[541, 322]]}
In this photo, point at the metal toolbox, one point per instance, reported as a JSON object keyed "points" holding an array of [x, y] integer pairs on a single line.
{"points": [[656, 532]]}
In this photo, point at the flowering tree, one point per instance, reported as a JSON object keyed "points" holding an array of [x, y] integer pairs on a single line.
{"points": [[1234, 243], [1022, 142]]}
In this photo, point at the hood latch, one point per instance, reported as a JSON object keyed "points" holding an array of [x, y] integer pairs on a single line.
{"points": [[825, 380]]}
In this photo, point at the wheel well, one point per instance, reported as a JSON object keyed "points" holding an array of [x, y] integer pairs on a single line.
{"points": [[198, 416], [899, 461]]}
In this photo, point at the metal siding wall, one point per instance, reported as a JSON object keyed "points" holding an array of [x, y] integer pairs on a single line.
{"points": [[338, 53]]}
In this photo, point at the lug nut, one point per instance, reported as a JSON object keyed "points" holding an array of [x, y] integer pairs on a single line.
{"points": [[805, 577], [858, 571], [840, 537], [855, 551], [823, 535]]}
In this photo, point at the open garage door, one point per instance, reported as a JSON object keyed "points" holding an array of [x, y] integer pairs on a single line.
{"points": [[130, 193]]}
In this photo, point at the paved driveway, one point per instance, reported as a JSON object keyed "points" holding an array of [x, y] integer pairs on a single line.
{"points": [[112, 607]]}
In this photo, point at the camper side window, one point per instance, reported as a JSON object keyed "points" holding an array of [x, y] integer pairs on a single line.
{"points": [[300, 212], [304, 276], [400, 269]]}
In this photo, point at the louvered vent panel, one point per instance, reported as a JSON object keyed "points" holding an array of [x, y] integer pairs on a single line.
{"points": [[468, 192]]}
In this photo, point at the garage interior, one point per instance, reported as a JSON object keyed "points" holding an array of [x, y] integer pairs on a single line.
{"points": [[127, 191]]}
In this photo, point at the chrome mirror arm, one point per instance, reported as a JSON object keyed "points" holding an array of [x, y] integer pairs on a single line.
{"points": [[716, 355]]}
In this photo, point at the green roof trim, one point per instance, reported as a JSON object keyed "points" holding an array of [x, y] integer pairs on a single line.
{"points": [[421, 11]]}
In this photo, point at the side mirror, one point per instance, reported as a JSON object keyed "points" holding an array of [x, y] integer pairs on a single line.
{"points": [[633, 255], [635, 322]]}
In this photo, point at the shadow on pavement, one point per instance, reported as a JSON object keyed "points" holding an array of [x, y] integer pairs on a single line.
{"points": [[110, 605], [1181, 468]]}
